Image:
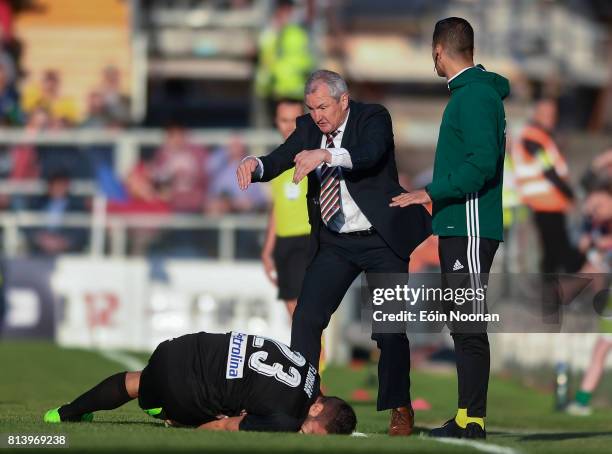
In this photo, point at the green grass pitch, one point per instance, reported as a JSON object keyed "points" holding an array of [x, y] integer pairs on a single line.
{"points": [[36, 376]]}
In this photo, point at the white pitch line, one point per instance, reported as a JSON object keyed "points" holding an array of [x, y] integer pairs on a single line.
{"points": [[128, 361], [478, 445]]}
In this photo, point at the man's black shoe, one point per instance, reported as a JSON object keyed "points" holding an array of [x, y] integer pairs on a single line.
{"points": [[450, 429], [474, 431]]}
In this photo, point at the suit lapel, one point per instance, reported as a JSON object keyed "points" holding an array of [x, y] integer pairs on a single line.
{"points": [[314, 141], [349, 124]]}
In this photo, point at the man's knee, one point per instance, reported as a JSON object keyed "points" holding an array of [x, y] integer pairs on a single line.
{"points": [[132, 383], [307, 318]]}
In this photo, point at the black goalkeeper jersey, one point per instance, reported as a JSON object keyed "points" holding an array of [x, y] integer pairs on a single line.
{"points": [[224, 374]]}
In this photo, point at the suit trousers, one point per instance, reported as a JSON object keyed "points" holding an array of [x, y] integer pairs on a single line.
{"points": [[338, 261], [472, 256]]}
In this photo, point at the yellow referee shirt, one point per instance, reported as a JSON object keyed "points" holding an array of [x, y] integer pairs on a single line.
{"points": [[290, 211]]}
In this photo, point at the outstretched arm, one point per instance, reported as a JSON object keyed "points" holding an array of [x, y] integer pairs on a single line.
{"points": [[230, 424], [253, 169], [281, 158]]}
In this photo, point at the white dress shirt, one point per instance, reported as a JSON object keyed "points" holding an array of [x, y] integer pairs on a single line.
{"points": [[354, 219]]}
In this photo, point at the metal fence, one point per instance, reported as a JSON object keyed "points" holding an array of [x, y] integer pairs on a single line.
{"points": [[127, 144], [109, 233]]}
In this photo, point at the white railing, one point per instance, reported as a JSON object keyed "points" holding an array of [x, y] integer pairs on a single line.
{"points": [[113, 230], [127, 143]]}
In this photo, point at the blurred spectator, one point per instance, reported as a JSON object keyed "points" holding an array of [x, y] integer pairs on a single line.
{"points": [[48, 96], [54, 238], [284, 58], [176, 174], [581, 406], [20, 162], [107, 107], [542, 180], [10, 109], [11, 45], [225, 196], [144, 194], [596, 244], [100, 156], [114, 105], [599, 173], [53, 157], [97, 116], [8, 65], [596, 241]]}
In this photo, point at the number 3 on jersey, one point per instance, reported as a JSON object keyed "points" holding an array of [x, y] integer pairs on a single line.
{"points": [[257, 363]]}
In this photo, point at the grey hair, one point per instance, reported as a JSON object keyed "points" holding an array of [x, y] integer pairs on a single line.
{"points": [[334, 81]]}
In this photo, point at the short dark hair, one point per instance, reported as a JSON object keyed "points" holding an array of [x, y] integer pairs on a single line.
{"points": [[456, 35], [58, 174], [337, 416], [295, 101]]}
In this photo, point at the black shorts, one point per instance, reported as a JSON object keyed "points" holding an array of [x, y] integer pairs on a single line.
{"points": [[290, 259], [153, 381], [163, 383]]}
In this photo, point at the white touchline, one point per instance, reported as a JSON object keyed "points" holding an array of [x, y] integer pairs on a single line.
{"points": [[128, 361], [477, 445]]}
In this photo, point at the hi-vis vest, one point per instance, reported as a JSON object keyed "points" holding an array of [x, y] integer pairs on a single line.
{"points": [[535, 190], [284, 63]]}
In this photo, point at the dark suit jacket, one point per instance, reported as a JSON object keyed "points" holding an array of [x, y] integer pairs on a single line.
{"points": [[372, 181]]}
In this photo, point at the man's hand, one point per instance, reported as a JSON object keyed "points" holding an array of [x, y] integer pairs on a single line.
{"points": [[308, 160], [172, 423], [244, 171], [419, 197]]}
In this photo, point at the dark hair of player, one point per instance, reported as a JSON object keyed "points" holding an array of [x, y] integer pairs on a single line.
{"points": [[456, 35], [280, 101], [337, 416]]}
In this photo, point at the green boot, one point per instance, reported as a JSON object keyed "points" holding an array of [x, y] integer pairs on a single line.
{"points": [[53, 417]]}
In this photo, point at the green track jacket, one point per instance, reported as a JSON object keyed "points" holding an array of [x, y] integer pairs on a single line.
{"points": [[467, 182]]}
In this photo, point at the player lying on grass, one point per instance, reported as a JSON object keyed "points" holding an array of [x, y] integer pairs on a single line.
{"points": [[226, 382]]}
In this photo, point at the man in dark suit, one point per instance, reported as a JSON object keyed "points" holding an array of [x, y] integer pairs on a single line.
{"points": [[346, 149]]}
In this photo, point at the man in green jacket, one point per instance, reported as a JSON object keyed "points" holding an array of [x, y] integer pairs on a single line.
{"points": [[467, 202]]}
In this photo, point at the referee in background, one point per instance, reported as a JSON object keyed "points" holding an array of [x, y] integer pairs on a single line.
{"points": [[285, 251], [467, 202]]}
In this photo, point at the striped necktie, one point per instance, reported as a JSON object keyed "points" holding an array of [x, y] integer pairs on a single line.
{"points": [[330, 186]]}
